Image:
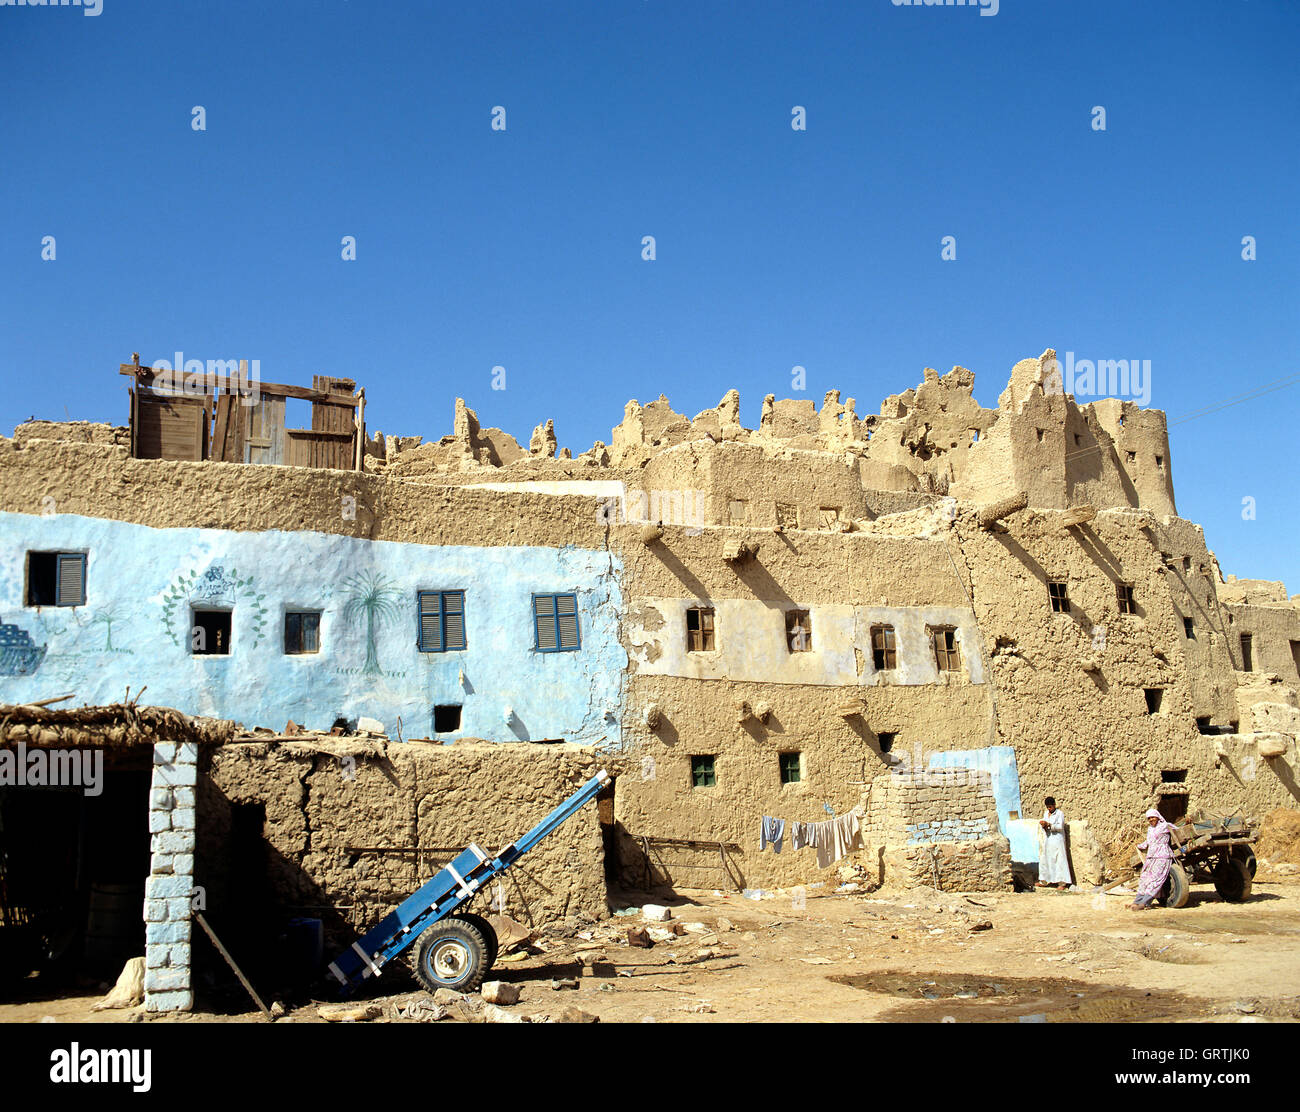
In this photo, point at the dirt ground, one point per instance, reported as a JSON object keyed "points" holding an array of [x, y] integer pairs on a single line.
{"points": [[904, 956]]}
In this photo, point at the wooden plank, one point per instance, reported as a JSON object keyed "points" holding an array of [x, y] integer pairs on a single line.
{"points": [[320, 435], [221, 427], [239, 420], [144, 377], [231, 962]]}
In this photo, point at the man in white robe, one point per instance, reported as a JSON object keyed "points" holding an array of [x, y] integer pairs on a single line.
{"points": [[1053, 863]]}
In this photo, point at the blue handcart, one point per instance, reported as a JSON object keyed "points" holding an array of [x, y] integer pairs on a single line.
{"points": [[455, 949]]}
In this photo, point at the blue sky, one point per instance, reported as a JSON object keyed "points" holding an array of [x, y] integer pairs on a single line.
{"points": [[627, 118]]}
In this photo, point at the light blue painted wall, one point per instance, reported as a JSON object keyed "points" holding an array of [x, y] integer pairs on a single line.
{"points": [[1000, 762], [141, 577]]}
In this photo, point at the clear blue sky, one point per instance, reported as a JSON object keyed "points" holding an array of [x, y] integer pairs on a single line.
{"points": [[628, 118]]}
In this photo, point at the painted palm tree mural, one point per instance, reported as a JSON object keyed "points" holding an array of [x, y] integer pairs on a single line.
{"points": [[106, 616], [374, 598]]}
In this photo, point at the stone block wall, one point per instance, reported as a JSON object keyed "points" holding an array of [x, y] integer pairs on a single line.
{"points": [[938, 828], [170, 886]]}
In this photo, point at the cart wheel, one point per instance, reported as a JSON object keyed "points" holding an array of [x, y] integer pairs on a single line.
{"points": [[1246, 856], [1232, 879], [489, 936], [452, 954], [1177, 888]]}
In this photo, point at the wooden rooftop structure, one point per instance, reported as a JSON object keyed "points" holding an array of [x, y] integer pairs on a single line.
{"points": [[224, 416]]}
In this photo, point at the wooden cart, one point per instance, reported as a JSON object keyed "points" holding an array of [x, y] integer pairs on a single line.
{"points": [[1218, 851]]}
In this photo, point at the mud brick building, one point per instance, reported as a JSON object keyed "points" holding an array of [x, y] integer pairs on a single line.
{"points": [[830, 611]]}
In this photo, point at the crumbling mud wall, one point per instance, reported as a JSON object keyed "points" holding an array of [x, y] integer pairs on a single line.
{"points": [[935, 511], [343, 817]]}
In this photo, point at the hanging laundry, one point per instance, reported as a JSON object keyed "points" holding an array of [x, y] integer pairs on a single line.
{"points": [[836, 838], [771, 830], [800, 835], [846, 835]]}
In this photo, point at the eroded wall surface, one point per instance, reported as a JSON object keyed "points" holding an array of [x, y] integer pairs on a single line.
{"points": [[344, 819]]}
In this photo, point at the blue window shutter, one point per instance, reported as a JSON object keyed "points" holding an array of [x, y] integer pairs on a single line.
{"points": [[453, 620], [544, 619], [566, 616], [71, 589], [430, 622]]}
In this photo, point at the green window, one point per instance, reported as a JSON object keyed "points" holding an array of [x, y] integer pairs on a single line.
{"points": [[791, 766], [703, 774]]}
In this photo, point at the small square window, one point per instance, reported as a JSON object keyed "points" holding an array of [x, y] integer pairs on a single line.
{"points": [[446, 719], [1187, 563], [791, 768], [787, 515], [1124, 596], [1247, 653], [1160, 464], [1173, 776], [828, 517], [1130, 457], [699, 629], [210, 632], [1040, 434], [56, 579], [738, 511], [703, 774], [1154, 696], [798, 631], [884, 651], [885, 741], [555, 623], [1189, 629], [947, 653], [301, 632], [1057, 592]]}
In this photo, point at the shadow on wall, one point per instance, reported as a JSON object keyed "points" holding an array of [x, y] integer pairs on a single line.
{"points": [[1284, 772], [1098, 551], [674, 565], [646, 863], [255, 900]]}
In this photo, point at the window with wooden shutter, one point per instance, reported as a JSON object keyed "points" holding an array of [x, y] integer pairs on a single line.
{"points": [[947, 653], [555, 623], [699, 629], [1058, 595], [56, 579], [884, 648], [442, 621]]}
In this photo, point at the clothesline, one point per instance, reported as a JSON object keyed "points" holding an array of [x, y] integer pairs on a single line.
{"points": [[832, 839]]}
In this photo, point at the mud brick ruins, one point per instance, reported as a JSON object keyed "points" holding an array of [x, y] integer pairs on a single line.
{"points": [[378, 649]]}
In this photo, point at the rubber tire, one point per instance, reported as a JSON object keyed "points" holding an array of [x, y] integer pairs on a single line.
{"points": [[1177, 888], [489, 935], [468, 947], [1246, 856], [1232, 880]]}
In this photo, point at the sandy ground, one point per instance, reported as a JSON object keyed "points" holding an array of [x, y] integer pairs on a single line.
{"points": [[908, 956]]}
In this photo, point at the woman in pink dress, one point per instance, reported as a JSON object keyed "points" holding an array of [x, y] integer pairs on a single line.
{"points": [[1159, 856]]}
